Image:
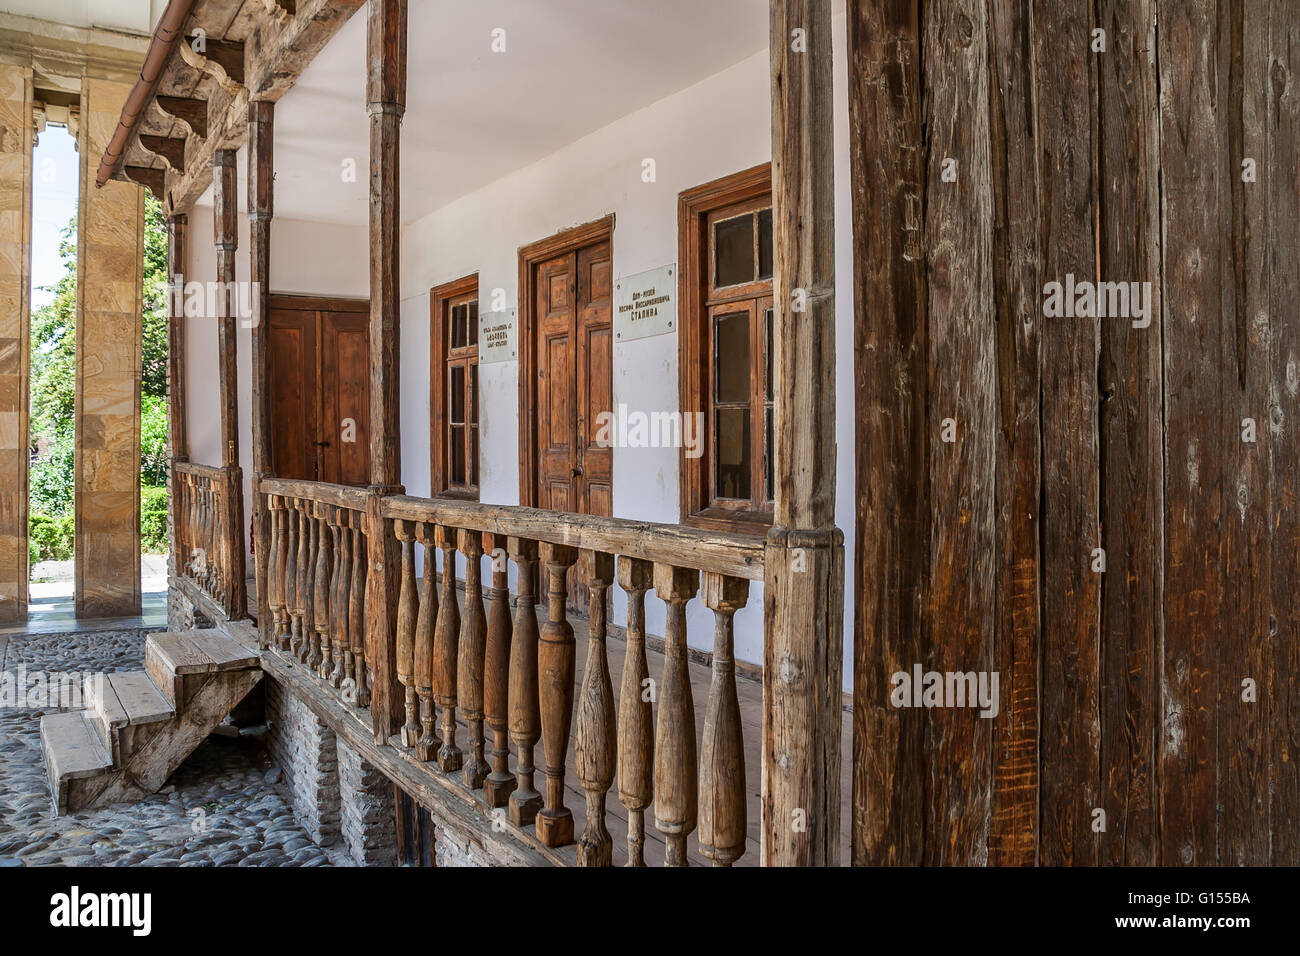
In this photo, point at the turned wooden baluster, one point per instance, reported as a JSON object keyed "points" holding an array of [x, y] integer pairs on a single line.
{"points": [[357, 612], [339, 597], [274, 571], [676, 768], [426, 748], [595, 748], [525, 715], [446, 640], [292, 602], [469, 659], [722, 760], [306, 582], [320, 650], [330, 535], [555, 666], [280, 594], [636, 734], [500, 782], [407, 618]]}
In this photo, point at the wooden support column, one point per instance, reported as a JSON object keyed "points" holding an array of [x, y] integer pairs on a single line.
{"points": [[804, 561], [386, 97], [179, 442], [261, 188], [226, 238]]}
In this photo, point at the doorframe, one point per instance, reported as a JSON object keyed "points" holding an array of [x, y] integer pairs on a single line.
{"points": [[531, 255]]}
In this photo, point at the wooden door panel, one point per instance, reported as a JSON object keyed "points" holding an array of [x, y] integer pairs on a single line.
{"points": [[292, 343], [555, 420], [345, 398]]}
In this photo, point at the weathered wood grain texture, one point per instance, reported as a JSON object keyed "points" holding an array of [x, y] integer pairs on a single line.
{"points": [[1013, 829], [1282, 187], [261, 188], [177, 383], [804, 554], [891, 461], [1132, 474], [1195, 265]]}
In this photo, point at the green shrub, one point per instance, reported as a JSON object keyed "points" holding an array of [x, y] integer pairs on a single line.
{"points": [[153, 519], [50, 537]]}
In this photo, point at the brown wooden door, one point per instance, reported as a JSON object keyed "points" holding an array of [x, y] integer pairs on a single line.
{"points": [[320, 389], [573, 309]]}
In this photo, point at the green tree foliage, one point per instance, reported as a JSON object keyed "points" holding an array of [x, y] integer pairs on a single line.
{"points": [[53, 399]]}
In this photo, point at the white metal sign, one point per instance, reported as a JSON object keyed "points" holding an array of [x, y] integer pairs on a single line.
{"points": [[496, 337], [645, 304]]}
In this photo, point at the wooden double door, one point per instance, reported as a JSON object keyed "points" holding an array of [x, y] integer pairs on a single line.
{"points": [[320, 389], [571, 292]]}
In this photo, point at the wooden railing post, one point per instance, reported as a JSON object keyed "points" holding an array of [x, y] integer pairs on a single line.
{"points": [[804, 560], [357, 611], [339, 598], [426, 748], [555, 669], [407, 619], [676, 767], [525, 712], [596, 745], [722, 762], [446, 643], [500, 782], [470, 659], [261, 175], [386, 102], [635, 712]]}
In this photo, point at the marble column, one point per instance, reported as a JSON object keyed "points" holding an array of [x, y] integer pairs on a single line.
{"points": [[110, 250], [15, 321]]}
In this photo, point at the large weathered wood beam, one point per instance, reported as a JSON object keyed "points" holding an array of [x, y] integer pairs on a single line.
{"points": [[386, 97], [206, 52], [261, 183], [804, 586], [226, 237], [152, 178]]}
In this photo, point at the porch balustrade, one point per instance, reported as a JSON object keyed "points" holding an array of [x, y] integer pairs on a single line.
{"points": [[201, 513], [470, 663]]}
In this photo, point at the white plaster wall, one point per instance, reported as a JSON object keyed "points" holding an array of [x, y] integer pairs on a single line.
{"points": [[307, 258], [714, 128]]}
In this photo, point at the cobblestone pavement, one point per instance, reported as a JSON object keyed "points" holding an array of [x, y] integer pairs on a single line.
{"points": [[224, 806]]}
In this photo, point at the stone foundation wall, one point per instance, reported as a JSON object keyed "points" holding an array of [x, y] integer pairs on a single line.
{"points": [[306, 751], [180, 610], [366, 809]]}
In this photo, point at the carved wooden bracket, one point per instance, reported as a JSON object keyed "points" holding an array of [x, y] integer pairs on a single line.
{"points": [[170, 148], [192, 112], [223, 59], [152, 178]]}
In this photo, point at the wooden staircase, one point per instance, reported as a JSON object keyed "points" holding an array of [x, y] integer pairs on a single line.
{"points": [[138, 726]]}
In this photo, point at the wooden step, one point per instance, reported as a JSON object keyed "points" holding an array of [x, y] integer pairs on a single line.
{"points": [[73, 752], [119, 704], [169, 657]]}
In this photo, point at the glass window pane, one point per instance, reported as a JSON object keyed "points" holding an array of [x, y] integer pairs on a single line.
{"points": [[458, 326], [473, 323], [731, 357], [769, 453], [731, 453], [456, 458], [456, 405], [734, 250], [768, 355], [765, 244]]}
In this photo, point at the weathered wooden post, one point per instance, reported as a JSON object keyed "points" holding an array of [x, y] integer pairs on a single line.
{"points": [[804, 560], [261, 177], [226, 236], [386, 96], [178, 434]]}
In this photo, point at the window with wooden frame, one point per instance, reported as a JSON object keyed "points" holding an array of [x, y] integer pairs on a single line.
{"points": [[453, 388], [725, 350]]}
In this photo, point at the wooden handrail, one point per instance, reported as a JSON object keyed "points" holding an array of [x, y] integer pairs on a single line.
{"points": [[211, 472], [338, 496], [720, 552]]}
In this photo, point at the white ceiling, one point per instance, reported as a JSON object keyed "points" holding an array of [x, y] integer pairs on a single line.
{"points": [[473, 116]]}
